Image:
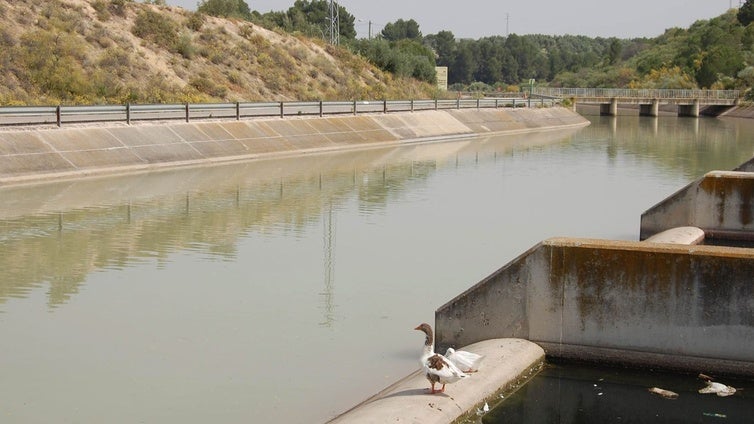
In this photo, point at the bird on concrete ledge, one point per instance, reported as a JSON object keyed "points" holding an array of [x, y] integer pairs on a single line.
{"points": [[437, 368]]}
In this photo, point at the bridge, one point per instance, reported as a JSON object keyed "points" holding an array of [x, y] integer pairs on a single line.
{"points": [[648, 100]]}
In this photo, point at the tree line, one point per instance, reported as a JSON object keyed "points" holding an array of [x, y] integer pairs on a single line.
{"points": [[715, 53]]}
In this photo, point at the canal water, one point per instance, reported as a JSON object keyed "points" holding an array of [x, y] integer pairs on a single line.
{"points": [[568, 393], [287, 290]]}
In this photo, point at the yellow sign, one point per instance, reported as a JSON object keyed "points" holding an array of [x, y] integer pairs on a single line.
{"points": [[442, 77]]}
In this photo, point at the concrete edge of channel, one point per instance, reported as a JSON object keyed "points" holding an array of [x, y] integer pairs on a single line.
{"points": [[507, 362]]}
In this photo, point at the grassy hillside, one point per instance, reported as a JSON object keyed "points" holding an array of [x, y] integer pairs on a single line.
{"points": [[118, 51]]}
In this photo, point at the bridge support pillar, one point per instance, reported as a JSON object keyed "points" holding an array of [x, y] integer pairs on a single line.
{"points": [[609, 109], [652, 109], [691, 110]]}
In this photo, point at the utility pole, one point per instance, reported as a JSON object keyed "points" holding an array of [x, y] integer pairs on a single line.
{"points": [[370, 30], [507, 22], [334, 23]]}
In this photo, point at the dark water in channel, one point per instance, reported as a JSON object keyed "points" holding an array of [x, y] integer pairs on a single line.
{"points": [[287, 290], [567, 393]]}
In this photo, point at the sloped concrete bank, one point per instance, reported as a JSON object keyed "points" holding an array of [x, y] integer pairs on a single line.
{"points": [[29, 155]]}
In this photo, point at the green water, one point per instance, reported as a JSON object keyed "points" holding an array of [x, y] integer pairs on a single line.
{"points": [[566, 393]]}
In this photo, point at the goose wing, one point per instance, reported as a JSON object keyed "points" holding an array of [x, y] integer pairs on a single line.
{"points": [[466, 361], [444, 369]]}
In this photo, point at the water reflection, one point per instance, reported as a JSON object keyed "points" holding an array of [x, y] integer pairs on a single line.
{"points": [[59, 233], [328, 293]]}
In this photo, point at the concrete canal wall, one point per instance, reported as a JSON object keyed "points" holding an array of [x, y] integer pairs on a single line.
{"points": [[34, 154], [721, 203], [681, 307]]}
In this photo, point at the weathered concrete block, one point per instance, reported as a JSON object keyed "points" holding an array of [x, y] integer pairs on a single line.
{"points": [[721, 203], [685, 307]]}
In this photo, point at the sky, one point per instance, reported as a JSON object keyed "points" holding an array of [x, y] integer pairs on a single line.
{"points": [[482, 18]]}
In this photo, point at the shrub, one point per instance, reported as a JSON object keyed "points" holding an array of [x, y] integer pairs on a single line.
{"points": [[116, 60], [225, 8], [184, 46], [157, 28], [101, 7], [118, 7], [204, 84], [53, 63], [196, 21]]}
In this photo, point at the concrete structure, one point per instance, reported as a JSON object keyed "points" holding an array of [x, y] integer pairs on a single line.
{"points": [[679, 235], [688, 102], [721, 203], [652, 109], [36, 154], [646, 304], [507, 364]]}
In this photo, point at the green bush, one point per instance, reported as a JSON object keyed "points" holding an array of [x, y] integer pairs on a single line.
{"points": [[225, 8], [196, 21], [204, 84], [157, 28], [118, 7], [185, 47], [53, 62], [101, 7]]}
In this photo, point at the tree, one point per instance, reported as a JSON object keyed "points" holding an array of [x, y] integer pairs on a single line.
{"points": [[408, 58], [746, 13], [225, 8], [613, 54], [444, 45], [401, 29], [311, 18]]}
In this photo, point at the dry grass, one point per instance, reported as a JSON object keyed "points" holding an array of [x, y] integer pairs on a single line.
{"points": [[114, 51]]}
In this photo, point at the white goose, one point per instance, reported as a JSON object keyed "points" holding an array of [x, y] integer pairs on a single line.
{"points": [[437, 368], [466, 361]]}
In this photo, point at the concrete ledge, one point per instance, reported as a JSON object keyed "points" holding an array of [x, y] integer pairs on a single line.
{"points": [[408, 401], [622, 301], [679, 235], [721, 203]]}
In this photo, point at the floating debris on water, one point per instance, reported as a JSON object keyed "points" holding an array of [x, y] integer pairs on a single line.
{"points": [[714, 415], [667, 394], [719, 389]]}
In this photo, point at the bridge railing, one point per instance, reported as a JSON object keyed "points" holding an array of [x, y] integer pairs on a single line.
{"points": [[636, 93], [59, 115]]}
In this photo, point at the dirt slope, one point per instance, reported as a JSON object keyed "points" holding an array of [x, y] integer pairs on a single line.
{"points": [[116, 51]]}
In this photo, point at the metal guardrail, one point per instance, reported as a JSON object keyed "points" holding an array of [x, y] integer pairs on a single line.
{"points": [[128, 113], [636, 93]]}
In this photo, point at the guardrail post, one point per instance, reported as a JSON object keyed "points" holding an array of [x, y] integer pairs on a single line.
{"points": [[458, 103], [321, 110], [238, 111], [282, 113], [412, 105], [128, 113], [514, 103], [384, 106], [187, 112], [435, 103], [57, 116], [477, 103], [496, 103], [354, 106]]}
